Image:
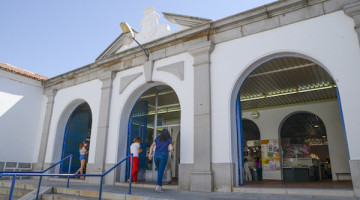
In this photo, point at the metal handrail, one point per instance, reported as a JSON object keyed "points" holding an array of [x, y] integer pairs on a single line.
{"points": [[40, 179], [69, 175]]}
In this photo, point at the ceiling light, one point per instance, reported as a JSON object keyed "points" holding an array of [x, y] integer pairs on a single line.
{"points": [[301, 89]]}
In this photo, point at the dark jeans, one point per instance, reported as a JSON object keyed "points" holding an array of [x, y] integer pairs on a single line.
{"points": [[259, 174], [160, 162]]}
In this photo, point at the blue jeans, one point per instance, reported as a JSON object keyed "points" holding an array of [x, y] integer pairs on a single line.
{"points": [[160, 162]]}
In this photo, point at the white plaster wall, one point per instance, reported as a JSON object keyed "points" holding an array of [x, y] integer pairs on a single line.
{"points": [[270, 123], [21, 112], [123, 103], [89, 92], [329, 39]]}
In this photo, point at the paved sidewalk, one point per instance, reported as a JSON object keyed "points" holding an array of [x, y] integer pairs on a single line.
{"points": [[179, 194]]}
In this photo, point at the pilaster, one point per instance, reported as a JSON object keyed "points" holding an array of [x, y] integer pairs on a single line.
{"points": [[353, 11], [355, 176], [202, 175], [98, 166], [50, 94]]}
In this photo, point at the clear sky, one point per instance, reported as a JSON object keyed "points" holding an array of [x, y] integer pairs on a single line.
{"points": [[51, 37]]}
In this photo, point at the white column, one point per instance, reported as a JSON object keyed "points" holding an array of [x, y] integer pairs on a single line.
{"points": [[202, 175], [98, 167], [50, 94]]}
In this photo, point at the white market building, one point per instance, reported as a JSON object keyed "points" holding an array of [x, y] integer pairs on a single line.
{"points": [[288, 68]]}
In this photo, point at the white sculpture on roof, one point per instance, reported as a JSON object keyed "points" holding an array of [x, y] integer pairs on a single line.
{"points": [[150, 28]]}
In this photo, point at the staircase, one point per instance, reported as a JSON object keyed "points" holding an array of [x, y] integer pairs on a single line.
{"points": [[59, 193], [56, 190], [20, 190]]}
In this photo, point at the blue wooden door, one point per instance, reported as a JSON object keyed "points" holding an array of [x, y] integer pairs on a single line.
{"points": [[76, 132]]}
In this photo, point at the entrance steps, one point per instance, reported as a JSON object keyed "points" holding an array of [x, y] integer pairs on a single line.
{"points": [[296, 191], [59, 193], [147, 185], [20, 190], [78, 190]]}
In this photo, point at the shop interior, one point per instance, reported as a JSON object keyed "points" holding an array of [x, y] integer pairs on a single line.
{"points": [[301, 152], [305, 149]]}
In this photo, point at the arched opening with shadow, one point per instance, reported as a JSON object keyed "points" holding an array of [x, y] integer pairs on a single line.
{"points": [[252, 150], [305, 148], [273, 88], [155, 109], [77, 130]]}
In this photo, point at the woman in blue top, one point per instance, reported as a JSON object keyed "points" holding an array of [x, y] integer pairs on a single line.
{"points": [[163, 147]]}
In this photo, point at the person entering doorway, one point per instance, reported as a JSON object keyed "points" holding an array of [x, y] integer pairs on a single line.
{"points": [[135, 150]]}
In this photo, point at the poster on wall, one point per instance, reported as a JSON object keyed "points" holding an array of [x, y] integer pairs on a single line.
{"points": [[270, 155], [296, 151]]}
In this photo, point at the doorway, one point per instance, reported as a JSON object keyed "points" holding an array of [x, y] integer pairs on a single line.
{"points": [[252, 150], [305, 149], [157, 109], [78, 129], [273, 90]]}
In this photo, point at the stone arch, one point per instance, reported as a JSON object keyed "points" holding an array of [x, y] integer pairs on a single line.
{"points": [[252, 123], [294, 113], [61, 126], [242, 78], [125, 117]]}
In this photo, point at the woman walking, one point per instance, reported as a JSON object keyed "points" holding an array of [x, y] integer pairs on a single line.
{"points": [[83, 152], [163, 145]]}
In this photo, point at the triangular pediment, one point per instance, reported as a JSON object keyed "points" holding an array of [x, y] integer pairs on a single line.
{"points": [[119, 42], [152, 30]]}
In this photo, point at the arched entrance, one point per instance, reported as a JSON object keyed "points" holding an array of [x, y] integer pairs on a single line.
{"points": [[158, 108], [252, 148], [305, 148], [78, 129], [277, 86]]}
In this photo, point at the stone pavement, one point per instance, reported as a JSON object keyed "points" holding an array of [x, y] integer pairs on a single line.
{"points": [[147, 193]]}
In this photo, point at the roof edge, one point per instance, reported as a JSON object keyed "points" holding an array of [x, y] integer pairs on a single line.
{"points": [[22, 72]]}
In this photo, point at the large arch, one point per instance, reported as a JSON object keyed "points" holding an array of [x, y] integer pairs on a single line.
{"points": [[236, 92], [124, 120], [336, 141], [61, 127], [291, 142]]}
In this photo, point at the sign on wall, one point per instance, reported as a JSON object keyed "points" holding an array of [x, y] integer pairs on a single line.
{"points": [[270, 155]]}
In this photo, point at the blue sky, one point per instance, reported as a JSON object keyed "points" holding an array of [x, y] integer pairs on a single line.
{"points": [[54, 37]]}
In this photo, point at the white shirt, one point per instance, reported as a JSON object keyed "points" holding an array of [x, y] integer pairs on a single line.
{"points": [[134, 149]]}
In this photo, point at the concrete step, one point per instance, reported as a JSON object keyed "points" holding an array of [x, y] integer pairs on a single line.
{"points": [[7, 184], [86, 193], [62, 197], [296, 191], [17, 192], [147, 185], [72, 180], [32, 195], [6, 197]]}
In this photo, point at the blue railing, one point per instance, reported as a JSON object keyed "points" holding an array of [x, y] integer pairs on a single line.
{"points": [[40, 179], [69, 175]]}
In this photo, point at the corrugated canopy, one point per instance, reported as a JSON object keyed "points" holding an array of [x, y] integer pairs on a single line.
{"points": [[284, 81]]}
